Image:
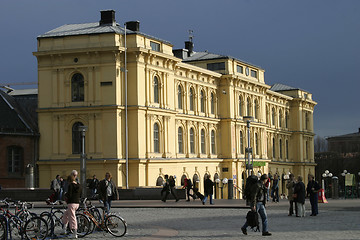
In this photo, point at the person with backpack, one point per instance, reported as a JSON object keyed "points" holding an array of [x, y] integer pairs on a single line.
{"points": [[255, 193]]}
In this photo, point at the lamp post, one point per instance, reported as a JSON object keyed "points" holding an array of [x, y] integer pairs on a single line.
{"points": [[224, 182], [325, 175], [248, 150], [82, 130], [344, 185]]}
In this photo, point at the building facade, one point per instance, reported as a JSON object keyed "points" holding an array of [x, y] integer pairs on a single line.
{"points": [[185, 109]]}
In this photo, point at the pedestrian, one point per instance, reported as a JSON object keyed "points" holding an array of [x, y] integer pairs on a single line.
{"points": [[165, 189], [267, 185], [257, 204], [171, 190], [312, 191], [107, 191], [93, 186], [275, 188], [290, 187], [188, 186], [208, 190], [55, 186], [62, 185], [72, 198], [299, 194]]}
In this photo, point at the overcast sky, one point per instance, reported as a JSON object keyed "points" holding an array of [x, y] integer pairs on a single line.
{"points": [[313, 45]]}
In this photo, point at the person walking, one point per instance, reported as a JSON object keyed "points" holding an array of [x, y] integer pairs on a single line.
{"points": [[275, 189], [62, 185], [312, 191], [107, 191], [93, 186], [290, 187], [188, 186], [72, 198], [169, 187], [55, 186], [257, 203], [208, 190], [267, 185], [299, 193]]}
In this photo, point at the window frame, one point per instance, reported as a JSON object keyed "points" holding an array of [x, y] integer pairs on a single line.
{"points": [[156, 89], [77, 88], [180, 140], [156, 137], [15, 159], [203, 141], [192, 140]]}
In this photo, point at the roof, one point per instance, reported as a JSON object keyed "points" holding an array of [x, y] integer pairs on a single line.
{"points": [[32, 91], [202, 56], [350, 135], [92, 28], [18, 115], [282, 87]]}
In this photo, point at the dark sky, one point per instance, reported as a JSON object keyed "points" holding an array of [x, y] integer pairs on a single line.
{"points": [[313, 45]]}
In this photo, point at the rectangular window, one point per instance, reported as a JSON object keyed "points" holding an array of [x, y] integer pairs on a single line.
{"points": [[14, 160], [254, 73], [155, 46], [239, 69], [216, 66]]}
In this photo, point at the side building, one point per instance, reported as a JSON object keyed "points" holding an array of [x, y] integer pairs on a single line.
{"points": [[185, 110]]}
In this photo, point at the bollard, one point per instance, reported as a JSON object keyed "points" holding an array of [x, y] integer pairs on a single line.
{"points": [[29, 179], [230, 188], [335, 187]]}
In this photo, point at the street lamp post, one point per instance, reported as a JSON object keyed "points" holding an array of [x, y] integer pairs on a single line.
{"points": [[82, 130], [344, 174], [224, 182], [325, 175], [248, 150]]}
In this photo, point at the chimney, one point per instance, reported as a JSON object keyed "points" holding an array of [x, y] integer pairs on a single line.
{"points": [[133, 26], [107, 17], [189, 45]]}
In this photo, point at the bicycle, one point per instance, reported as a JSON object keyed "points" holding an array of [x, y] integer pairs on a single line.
{"points": [[111, 223], [13, 226], [54, 218]]}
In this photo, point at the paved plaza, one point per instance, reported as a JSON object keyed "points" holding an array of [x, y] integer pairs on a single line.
{"points": [[154, 220]]}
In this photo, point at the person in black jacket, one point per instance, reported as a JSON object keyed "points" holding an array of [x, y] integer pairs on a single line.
{"points": [[299, 197], [72, 198], [257, 203], [312, 191], [93, 186], [107, 191], [169, 187], [208, 190]]}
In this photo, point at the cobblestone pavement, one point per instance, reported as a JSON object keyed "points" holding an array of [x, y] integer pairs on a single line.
{"points": [[339, 219]]}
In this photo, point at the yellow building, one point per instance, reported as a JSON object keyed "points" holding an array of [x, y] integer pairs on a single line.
{"points": [[185, 109]]}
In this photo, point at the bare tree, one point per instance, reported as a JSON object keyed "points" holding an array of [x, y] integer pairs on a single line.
{"points": [[320, 144]]}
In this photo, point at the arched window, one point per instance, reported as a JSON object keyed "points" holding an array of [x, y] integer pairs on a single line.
{"points": [[280, 149], [240, 106], [196, 181], [256, 144], [241, 142], [280, 118], [159, 181], [212, 103], [203, 141], [286, 119], [77, 88], [256, 107], [156, 90], [273, 117], [248, 107], [180, 140], [191, 99], [213, 150], [202, 101], [273, 152], [156, 138], [287, 149], [192, 141], [15, 160], [179, 97], [76, 138]]}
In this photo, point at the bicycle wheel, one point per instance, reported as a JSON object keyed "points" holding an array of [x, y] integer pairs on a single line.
{"points": [[115, 225], [3, 232], [96, 214], [14, 229], [36, 228], [83, 225]]}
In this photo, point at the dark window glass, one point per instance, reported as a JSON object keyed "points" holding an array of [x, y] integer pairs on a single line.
{"points": [[240, 106], [77, 88], [280, 149], [254, 73], [180, 140], [179, 97], [14, 159], [239, 69], [192, 141], [256, 144], [156, 138], [216, 66], [212, 104], [202, 141], [241, 142], [202, 101], [213, 150], [155, 46], [273, 152], [156, 90], [191, 98], [76, 138]]}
